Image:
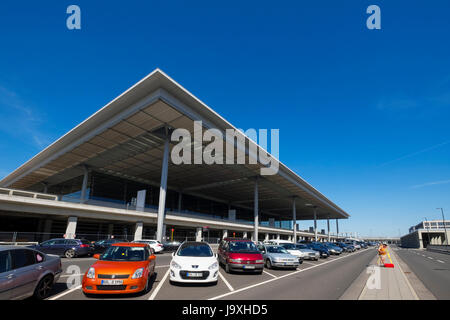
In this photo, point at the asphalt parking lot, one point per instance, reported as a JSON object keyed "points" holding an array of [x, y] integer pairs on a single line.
{"points": [[332, 276]]}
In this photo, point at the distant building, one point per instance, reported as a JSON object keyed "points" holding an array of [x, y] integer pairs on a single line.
{"points": [[425, 233]]}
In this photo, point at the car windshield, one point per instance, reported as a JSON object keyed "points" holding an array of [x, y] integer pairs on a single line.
{"points": [[243, 246], [301, 246], [276, 250], [195, 250], [115, 253], [289, 246]]}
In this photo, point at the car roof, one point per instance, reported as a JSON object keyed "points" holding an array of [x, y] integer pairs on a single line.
{"points": [[128, 244], [237, 239]]}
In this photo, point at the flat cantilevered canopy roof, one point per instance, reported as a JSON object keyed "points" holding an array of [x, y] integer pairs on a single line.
{"points": [[123, 139]]}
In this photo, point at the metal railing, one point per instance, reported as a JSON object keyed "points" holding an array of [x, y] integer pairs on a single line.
{"points": [[28, 194]]}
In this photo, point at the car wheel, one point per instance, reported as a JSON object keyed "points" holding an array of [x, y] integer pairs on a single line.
{"points": [[268, 264], [300, 261], [69, 253], [44, 287]]}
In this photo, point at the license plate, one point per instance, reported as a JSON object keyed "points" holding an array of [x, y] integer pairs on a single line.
{"points": [[249, 267], [288, 263], [112, 282], [194, 274]]}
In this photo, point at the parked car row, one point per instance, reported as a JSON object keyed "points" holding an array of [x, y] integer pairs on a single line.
{"points": [[72, 248]]}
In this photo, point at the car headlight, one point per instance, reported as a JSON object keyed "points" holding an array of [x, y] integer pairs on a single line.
{"points": [[276, 259], [175, 265], [138, 273], [213, 266], [259, 261], [235, 260], [91, 273]]}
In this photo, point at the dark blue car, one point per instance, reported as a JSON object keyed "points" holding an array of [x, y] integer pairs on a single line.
{"points": [[324, 252], [69, 248]]}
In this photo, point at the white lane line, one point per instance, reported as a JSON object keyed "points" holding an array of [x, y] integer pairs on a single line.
{"points": [[226, 282], [274, 276], [65, 292], [280, 277], [440, 261], [155, 292], [430, 258], [167, 265]]}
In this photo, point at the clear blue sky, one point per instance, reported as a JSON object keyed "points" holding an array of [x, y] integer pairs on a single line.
{"points": [[363, 114]]}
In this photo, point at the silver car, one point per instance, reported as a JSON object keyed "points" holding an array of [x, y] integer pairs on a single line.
{"points": [[278, 257], [26, 272]]}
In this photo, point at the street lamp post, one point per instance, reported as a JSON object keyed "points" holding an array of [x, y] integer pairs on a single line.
{"points": [[428, 233], [445, 228]]}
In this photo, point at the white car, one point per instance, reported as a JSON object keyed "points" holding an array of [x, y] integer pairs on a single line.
{"points": [[194, 262], [154, 244]]}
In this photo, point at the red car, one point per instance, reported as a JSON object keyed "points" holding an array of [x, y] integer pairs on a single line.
{"points": [[241, 255]]}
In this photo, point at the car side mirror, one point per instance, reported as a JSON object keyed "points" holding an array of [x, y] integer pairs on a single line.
{"points": [[173, 254], [152, 257], [96, 256]]}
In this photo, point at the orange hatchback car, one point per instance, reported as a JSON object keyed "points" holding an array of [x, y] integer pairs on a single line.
{"points": [[122, 268]]}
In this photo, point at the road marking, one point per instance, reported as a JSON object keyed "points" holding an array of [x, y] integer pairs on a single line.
{"points": [[154, 293], [430, 258], [280, 277], [65, 292], [269, 274], [167, 265], [440, 261], [71, 274], [406, 279], [226, 282]]}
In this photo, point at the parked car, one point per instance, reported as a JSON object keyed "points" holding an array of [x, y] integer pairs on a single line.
{"points": [[333, 248], [26, 272], [309, 254], [295, 251], [69, 248], [194, 262], [154, 244], [171, 245], [100, 246], [324, 252], [122, 268], [278, 257], [345, 247], [241, 255]]}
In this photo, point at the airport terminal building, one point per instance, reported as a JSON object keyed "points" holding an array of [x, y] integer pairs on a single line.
{"points": [[112, 175]]}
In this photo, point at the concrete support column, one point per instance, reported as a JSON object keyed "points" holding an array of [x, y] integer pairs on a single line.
{"points": [[315, 224], [255, 209], [45, 187], [198, 234], [71, 227], [290, 238], [252, 236], [162, 191], [278, 236], [244, 235], [328, 226], [294, 220], [337, 228], [225, 234], [47, 229], [84, 185], [164, 233], [138, 230], [266, 238], [110, 229], [180, 197]]}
